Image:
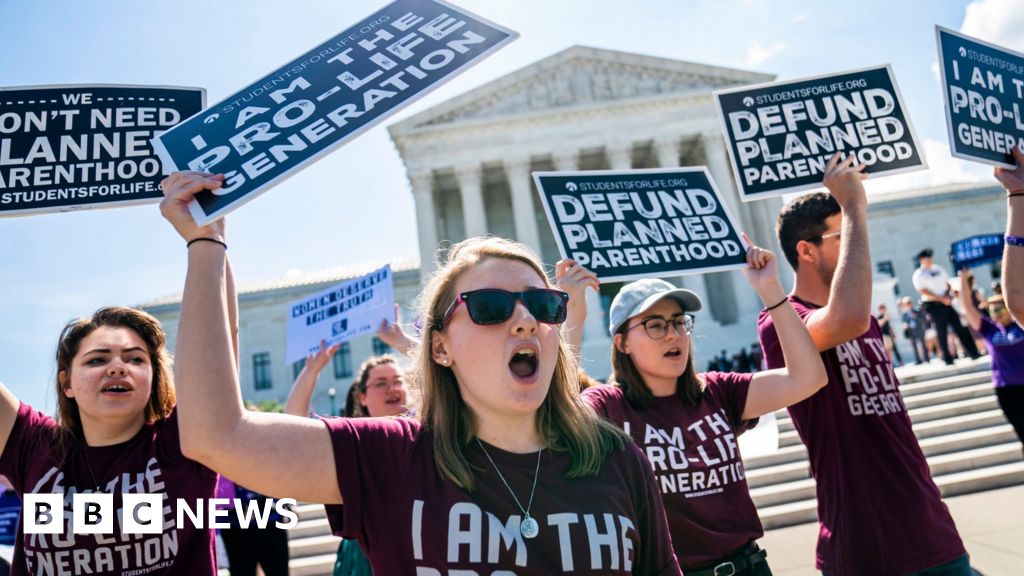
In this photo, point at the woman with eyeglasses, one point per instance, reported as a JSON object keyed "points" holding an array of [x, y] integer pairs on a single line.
{"points": [[1004, 338], [377, 392], [687, 423], [503, 469]]}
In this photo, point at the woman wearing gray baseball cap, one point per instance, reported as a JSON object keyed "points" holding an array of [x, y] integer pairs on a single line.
{"points": [[687, 423]]}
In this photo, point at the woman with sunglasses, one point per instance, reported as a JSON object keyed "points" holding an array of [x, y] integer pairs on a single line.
{"points": [[1004, 338], [503, 469], [688, 422]]}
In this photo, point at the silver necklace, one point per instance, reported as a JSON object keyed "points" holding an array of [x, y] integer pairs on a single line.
{"points": [[91, 475], [529, 527]]}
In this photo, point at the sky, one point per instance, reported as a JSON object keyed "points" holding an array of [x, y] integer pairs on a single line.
{"points": [[355, 205]]}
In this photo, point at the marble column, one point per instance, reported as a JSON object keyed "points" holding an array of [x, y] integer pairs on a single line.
{"points": [[749, 217], [518, 173], [717, 161], [426, 222], [595, 329], [667, 152], [474, 216], [620, 156], [565, 160]]}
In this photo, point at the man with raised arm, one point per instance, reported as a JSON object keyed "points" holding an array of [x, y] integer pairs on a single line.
{"points": [[879, 511]]}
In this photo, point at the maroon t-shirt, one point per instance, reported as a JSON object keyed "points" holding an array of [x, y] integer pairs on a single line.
{"points": [[696, 463], [411, 520], [149, 463], [880, 512]]}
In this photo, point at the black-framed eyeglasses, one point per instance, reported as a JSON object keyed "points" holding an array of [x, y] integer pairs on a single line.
{"points": [[494, 306], [820, 237], [657, 327]]}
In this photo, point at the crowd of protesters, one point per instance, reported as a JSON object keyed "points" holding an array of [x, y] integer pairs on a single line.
{"points": [[486, 430]]}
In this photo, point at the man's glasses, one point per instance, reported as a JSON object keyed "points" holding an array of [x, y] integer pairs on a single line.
{"points": [[818, 239], [494, 306], [657, 328], [996, 310]]}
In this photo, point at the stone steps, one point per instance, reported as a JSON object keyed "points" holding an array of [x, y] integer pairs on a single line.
{"points": [[961, 430]]}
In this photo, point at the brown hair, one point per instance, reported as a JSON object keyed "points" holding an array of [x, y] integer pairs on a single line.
{"points": [[357, 410], [564, 421], [161, 396], [804, 219], [626, 376]]}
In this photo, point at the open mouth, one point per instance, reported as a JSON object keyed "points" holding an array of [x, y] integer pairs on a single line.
{"points": [[524, 363], [673, 353], [116, 388]]}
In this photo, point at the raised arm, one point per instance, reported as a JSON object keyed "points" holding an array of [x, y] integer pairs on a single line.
{"points": [[232, 300], [848, 311], [392, 334], [1013, 254], [572, 278], [276, 454], [9, 405], [803, 373], [971, 312], [302, 389]]}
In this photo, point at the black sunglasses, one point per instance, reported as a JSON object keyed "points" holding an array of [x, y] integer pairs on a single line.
{"points": [[494, 306]]}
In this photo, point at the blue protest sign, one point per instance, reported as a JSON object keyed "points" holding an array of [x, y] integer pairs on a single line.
{"points": [[301, 111], [74, 147], [627, 224], [983, 88], [976, 250], [781, 135]]}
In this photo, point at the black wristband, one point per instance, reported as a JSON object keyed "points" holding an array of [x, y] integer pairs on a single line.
{"points": [[214, 240], [1014, 193], [781, 302]]}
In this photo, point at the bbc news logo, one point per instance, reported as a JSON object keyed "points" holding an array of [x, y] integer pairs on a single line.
{"points": [[94, 513]]}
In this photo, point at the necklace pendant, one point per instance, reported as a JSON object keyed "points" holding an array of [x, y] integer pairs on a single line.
{"points": [[529, 528]]}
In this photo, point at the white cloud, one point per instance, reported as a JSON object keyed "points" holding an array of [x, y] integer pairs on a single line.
{"points": [[757, 54], [997, 21], [800, 18], [943, 168], [935, 70]]}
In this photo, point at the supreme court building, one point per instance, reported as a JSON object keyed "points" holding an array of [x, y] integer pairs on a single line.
{"points": [[469, 163]]}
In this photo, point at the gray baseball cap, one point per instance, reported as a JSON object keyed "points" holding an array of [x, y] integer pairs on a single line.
{"points": [[637, 297]]}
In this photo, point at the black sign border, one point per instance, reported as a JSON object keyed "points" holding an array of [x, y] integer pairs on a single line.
{"points": [[677, 170], [202, 218], [114, 203], [745, 197], [945, 93]]}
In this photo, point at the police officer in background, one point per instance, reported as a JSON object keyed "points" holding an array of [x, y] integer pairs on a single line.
{"points": [[932, 283]]}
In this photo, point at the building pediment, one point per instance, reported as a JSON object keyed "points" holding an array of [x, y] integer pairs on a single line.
{"points": [[577, 77]]}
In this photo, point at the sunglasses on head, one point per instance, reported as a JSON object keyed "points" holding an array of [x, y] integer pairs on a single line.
{"points": [[494, 306]]}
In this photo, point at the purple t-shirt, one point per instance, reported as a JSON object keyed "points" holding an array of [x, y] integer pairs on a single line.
{"points": [[150, 463], [696, 462], [879, 511], [411, 520], [1006, 347]]}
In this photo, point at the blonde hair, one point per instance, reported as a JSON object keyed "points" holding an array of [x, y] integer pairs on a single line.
{"points": [[564, 421]]}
